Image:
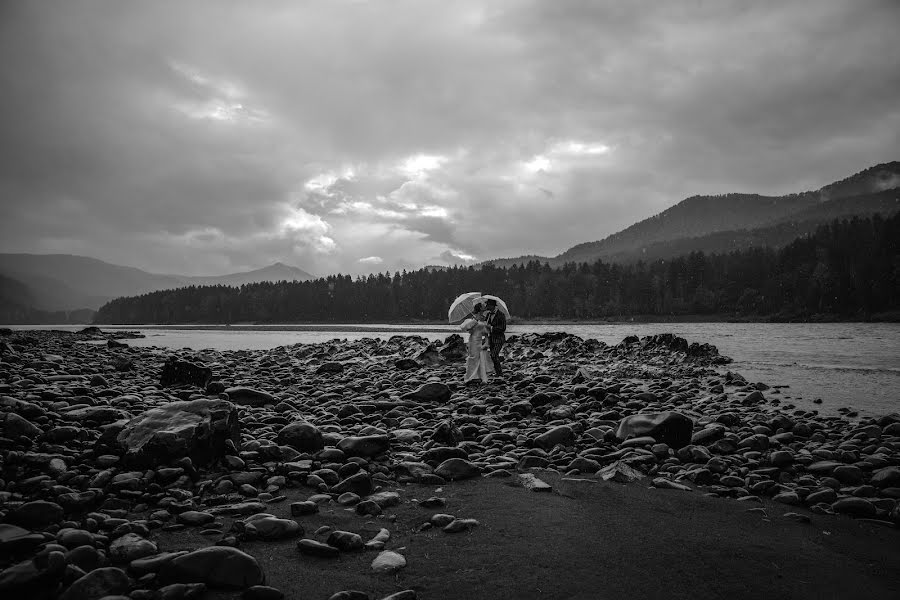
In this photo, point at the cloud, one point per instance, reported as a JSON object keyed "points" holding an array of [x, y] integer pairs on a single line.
{"points": [[371, 260], [237, 134]]}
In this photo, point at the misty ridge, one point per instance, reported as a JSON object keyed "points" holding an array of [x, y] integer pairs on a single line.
{"points": [[699, 229]]}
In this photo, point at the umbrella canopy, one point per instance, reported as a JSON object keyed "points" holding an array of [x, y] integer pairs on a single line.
{"points": [[462, 307], [501, 305]]}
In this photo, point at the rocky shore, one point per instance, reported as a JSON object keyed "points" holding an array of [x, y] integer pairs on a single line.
{"points": [[114, 457]]}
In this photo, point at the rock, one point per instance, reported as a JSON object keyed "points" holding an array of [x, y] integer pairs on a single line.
{"points": [[180, 591], [668, 484], [269, 527], [429, 392], [440, 454], [402, 595], [561, 434], [533, 484], [107, 581], [457, 468], [669, 427], [314, 548], [796, 517], [365, 446], [346, 541], [460, 525], [182, 372], [304, 508], [28, 579], [301, 436], [858, 507], [129, 547], [15, 540], [848, 474], [405, 364], [330, 367], [388, 562], [886, 477], [194, 518], [781, 458], [349, 595], [789, 498], [359, 483], [447, 434], [619, 472], [216, 566], [246, 396], [36, 514], [198, 429], [262, 592], [13, 426]]}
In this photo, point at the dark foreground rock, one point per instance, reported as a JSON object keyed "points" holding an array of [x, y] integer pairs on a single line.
{"points": [[198, 429]]}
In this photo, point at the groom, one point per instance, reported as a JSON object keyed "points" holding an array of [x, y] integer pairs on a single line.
{"points": [[496, 324]]}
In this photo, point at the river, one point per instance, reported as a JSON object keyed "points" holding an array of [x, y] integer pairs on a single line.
{"points": [[844, 364]]}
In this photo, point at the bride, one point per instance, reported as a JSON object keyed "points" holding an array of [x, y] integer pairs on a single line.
{"points": [[478, 359]]}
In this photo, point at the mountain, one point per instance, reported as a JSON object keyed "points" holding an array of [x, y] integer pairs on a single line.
{"points": [[707, 222], [17, 307], [61, 282], [275, 272]]}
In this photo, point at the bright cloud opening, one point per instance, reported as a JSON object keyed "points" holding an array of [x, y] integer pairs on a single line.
{"points": [[371, 260], [419, 165], [537, 164]]}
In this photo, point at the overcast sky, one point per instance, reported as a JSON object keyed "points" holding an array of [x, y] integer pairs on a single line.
{"points": [[350, 136]]}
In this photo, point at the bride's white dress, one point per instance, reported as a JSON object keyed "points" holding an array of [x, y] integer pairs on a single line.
{"points": [[478, 360]]}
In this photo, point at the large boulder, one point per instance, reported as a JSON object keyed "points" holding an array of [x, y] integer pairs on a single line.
{"points": [[454, 348], [182, 372], [668, 427], [198, 429], [302, 436]]}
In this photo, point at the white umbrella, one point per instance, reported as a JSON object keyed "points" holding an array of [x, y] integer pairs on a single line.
{"points": [[500, 303], [462, 307]]}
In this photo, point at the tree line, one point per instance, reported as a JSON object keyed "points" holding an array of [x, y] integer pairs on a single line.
{"points": [[846, 269]]}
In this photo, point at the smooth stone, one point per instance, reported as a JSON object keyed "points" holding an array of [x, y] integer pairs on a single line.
{"points": [[561, 434], [302, 436], [859, 507], [270, 527], [457, 468], [388, 562], [129, 547], [668, 484], [247, 396], [345, 541], [315, 548], [364, 446], [106, 581], [460, 525], [36, 514], [262, 592], [216, 566], [669, 427]]}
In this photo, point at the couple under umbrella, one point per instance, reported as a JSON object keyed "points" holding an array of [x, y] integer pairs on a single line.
{"points": [[484, 317]]}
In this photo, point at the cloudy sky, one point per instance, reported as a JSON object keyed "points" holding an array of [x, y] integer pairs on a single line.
{"points": [[205, 137]]}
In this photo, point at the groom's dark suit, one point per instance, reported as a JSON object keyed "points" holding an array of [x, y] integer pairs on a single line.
{"points": [[497, 337]]}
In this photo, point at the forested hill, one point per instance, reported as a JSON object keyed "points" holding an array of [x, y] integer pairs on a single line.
{"points": [[701, 222], [845, 269]]}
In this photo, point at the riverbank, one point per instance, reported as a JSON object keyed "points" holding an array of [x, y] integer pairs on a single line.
{"points": [[381, 434]]}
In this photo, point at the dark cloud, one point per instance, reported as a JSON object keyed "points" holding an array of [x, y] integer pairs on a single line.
{"points": [[351, 136]]}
